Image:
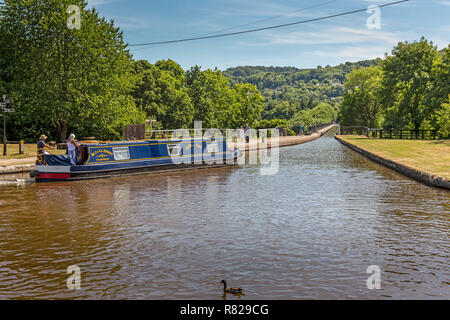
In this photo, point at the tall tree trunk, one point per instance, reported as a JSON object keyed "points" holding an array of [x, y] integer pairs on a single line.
{"points": [[416, 126], [62, 131]]}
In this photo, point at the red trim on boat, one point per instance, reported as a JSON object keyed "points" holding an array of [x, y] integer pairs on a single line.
{"points": [[53, 176]]}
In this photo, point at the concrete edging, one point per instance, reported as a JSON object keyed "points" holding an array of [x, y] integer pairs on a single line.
{"points": [[18, 168], [421, 176], [284, 141]]}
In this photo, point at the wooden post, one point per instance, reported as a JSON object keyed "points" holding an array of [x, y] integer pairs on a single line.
{"points": [[4, 134], [3, 107], [21, 147]]}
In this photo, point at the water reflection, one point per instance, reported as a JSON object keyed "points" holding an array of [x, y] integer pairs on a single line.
{"points": [[310, 231]]}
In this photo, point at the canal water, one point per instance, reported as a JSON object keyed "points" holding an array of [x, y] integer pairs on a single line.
{"points": [[308, 232]]}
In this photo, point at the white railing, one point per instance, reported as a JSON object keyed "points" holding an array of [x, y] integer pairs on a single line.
{"points": [[229, 134]]}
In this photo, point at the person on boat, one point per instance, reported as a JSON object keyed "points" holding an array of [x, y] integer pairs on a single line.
{"points": [[72, 145], [247, 133], [41, 145]]}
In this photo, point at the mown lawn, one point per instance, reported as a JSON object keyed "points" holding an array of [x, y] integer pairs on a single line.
{"points": [[30, 151], [432, 156]]}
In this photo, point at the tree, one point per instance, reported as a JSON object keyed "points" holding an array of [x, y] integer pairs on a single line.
{"points": [[161, 94], [247, 107], [287, 90], [322, 113], [210, 94], [174, 68], [61, 78], [440, 84], [361, 103], [406, 80], [443, 119]]}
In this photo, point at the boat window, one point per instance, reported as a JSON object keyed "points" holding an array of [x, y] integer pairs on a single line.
{"points": [[212, 147], [174, 149], [121, 153]]}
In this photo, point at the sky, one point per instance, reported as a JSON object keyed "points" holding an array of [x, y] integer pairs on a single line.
{"points": [[326, 42]]}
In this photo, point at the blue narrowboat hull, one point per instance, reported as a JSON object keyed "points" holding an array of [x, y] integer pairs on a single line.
{"points": [[105, 160]]}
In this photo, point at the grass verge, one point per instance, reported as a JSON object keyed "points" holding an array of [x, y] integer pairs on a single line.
{"points": [[431, 156], [30, 151]]}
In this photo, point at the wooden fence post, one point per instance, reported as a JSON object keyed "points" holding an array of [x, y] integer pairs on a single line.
{"points": [[21, 147]]}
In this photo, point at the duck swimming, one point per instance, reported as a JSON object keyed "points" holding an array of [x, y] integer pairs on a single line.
{"points": [[230, 290]]}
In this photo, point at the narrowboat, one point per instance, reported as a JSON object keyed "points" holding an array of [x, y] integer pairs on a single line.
{"points": [[97, 160]]}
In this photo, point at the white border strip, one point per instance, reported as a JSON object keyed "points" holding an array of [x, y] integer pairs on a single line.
{"points": [[53, 169]]}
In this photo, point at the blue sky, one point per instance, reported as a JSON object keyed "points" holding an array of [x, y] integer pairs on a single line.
{"points": [[327, 42]]}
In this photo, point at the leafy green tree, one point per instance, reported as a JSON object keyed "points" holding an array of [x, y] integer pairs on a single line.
{"points": [[162, 95], [65, 78], [288, 90], [280, 110], [322, 113], [140, 66], [361, 103], [406, 80], [440, 84], [211, 96], [273, 123], [174, 68], [303, 117], [247, 107], [145, 91], [443, 119], [176, 99]]}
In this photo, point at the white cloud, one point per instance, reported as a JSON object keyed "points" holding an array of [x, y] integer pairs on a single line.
{"points": [[133, 23], [352, 53], [270, 10], [445, 3], [96, 3], [337, 35]]}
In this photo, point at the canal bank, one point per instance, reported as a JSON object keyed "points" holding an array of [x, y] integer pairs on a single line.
{"points": [[417, 174], [16, 168]]}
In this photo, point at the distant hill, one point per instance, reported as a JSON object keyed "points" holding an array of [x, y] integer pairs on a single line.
{"points": [[288, 89]]}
